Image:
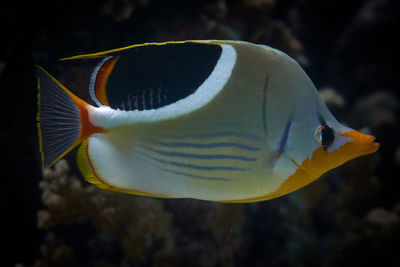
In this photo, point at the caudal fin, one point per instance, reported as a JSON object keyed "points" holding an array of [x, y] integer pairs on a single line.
{"points": [[59, 119]]}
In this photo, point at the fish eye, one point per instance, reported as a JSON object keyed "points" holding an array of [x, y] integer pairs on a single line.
{"points": [[325, 136]]}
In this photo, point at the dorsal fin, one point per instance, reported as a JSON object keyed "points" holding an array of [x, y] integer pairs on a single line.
{"points": [[152, 75], [112, 51]]}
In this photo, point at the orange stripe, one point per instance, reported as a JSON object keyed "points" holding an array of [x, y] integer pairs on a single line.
{"points": [[87, 128], [102, 78]]}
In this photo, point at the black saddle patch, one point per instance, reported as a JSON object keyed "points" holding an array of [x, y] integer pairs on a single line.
{"points": [[153, 76]]}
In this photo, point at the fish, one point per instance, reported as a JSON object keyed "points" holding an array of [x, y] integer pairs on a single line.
{"points": [[215, 120]]}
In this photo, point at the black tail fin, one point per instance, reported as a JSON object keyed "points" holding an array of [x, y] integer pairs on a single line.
{"points": [[58, 117]]}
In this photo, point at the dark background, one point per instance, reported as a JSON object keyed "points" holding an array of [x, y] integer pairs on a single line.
{"points": [[351, 46]]}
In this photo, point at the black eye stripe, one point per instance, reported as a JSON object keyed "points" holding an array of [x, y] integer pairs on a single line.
{"points": [[327, 136]]}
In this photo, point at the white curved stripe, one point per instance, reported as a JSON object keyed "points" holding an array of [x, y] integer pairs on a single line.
{"points": [[92, 82], [107, 117]]}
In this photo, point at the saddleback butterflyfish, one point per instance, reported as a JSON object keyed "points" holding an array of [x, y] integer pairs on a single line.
{"points": [[215, 120]]}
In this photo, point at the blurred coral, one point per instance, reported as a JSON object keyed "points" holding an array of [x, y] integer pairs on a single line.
{"points": [[122, 9], [381, 216], [141, 224], [332, 97], [377, 109]]}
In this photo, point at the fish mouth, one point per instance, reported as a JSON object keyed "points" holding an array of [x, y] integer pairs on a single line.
{"points": [[362, 144], [322, 161], [374, 146]]}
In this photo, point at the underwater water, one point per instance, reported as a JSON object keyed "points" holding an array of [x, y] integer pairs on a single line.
{"points": [[348, 217]]}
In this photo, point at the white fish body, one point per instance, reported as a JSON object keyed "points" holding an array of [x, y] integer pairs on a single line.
{"points": [[246, 133]]}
